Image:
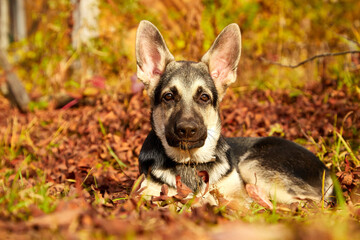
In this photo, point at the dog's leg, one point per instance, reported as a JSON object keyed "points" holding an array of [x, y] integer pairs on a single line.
{"points": [[259, 196], [231, 188], [152, 188]]}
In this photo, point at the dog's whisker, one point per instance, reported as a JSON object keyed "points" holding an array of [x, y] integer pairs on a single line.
{"points": [[211, 135], [211, 130]]}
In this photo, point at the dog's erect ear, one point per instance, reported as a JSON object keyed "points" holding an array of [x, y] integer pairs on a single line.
{"points": [[152, 55], [223, 57]]}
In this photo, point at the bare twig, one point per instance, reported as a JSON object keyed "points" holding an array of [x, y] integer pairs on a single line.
{"points": [[309, 59]]}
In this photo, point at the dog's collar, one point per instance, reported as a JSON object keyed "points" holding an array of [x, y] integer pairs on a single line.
{"points": [[194, 164]]}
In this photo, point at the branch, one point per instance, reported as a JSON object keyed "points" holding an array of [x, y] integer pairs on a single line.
{"points": [[4, 64], [309, 59]]}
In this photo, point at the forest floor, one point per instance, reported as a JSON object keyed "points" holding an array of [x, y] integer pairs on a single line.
{"points": [[68, 173]]}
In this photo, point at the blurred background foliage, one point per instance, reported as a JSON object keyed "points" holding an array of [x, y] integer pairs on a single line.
{"points": [[286, 31]]}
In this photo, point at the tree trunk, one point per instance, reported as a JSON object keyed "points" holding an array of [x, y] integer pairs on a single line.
{"points": [[20, 20], [4, 24], [85, 16], [17, 19]]}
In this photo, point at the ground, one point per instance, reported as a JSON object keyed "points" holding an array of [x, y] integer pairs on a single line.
{"points": [[69, 173]]}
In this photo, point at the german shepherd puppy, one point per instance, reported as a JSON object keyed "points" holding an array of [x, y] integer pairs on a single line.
{"points": [[185, 136]]}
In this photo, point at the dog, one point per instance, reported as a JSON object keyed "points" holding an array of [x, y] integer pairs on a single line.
{"points": [[186, 126]]}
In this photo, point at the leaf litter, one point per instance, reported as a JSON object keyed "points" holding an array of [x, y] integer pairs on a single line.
{"points": [[87, 155]]}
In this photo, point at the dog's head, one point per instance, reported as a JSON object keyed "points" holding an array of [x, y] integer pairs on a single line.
{"points": [[186, 95]]}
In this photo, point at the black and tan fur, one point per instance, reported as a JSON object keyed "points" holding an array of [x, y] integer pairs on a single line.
{"points": [[186, 126]]}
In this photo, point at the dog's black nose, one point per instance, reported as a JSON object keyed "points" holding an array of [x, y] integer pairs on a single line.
{"points": [[186, 130]]}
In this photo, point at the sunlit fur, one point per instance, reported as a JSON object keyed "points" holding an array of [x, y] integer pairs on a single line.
{"points": [[277, 185]]}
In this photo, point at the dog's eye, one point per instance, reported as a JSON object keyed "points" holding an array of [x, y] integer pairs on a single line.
{"points": [[204, 97], [168, 97]]}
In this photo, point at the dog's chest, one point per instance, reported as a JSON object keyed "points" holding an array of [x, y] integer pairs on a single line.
{"points": [[190, 175], [228, 188], [195, 176]]}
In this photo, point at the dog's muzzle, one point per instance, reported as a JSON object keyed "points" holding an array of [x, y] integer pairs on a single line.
{"points": [[186, 134]]}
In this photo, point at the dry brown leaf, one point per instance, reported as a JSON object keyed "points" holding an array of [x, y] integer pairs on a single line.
{"points": [[347, 178], [182, 190], [56, 219]]}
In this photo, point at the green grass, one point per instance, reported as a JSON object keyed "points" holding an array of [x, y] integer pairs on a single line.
{"points": [[108, 147], [18, 193], [22, 185]]}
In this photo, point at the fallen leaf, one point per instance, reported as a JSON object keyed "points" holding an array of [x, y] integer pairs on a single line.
{"points": [[182, 190], [57, 219], [259, 196]]}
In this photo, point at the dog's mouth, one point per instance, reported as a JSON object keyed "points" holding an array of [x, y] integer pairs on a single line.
{"points": [[185, 144]]}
